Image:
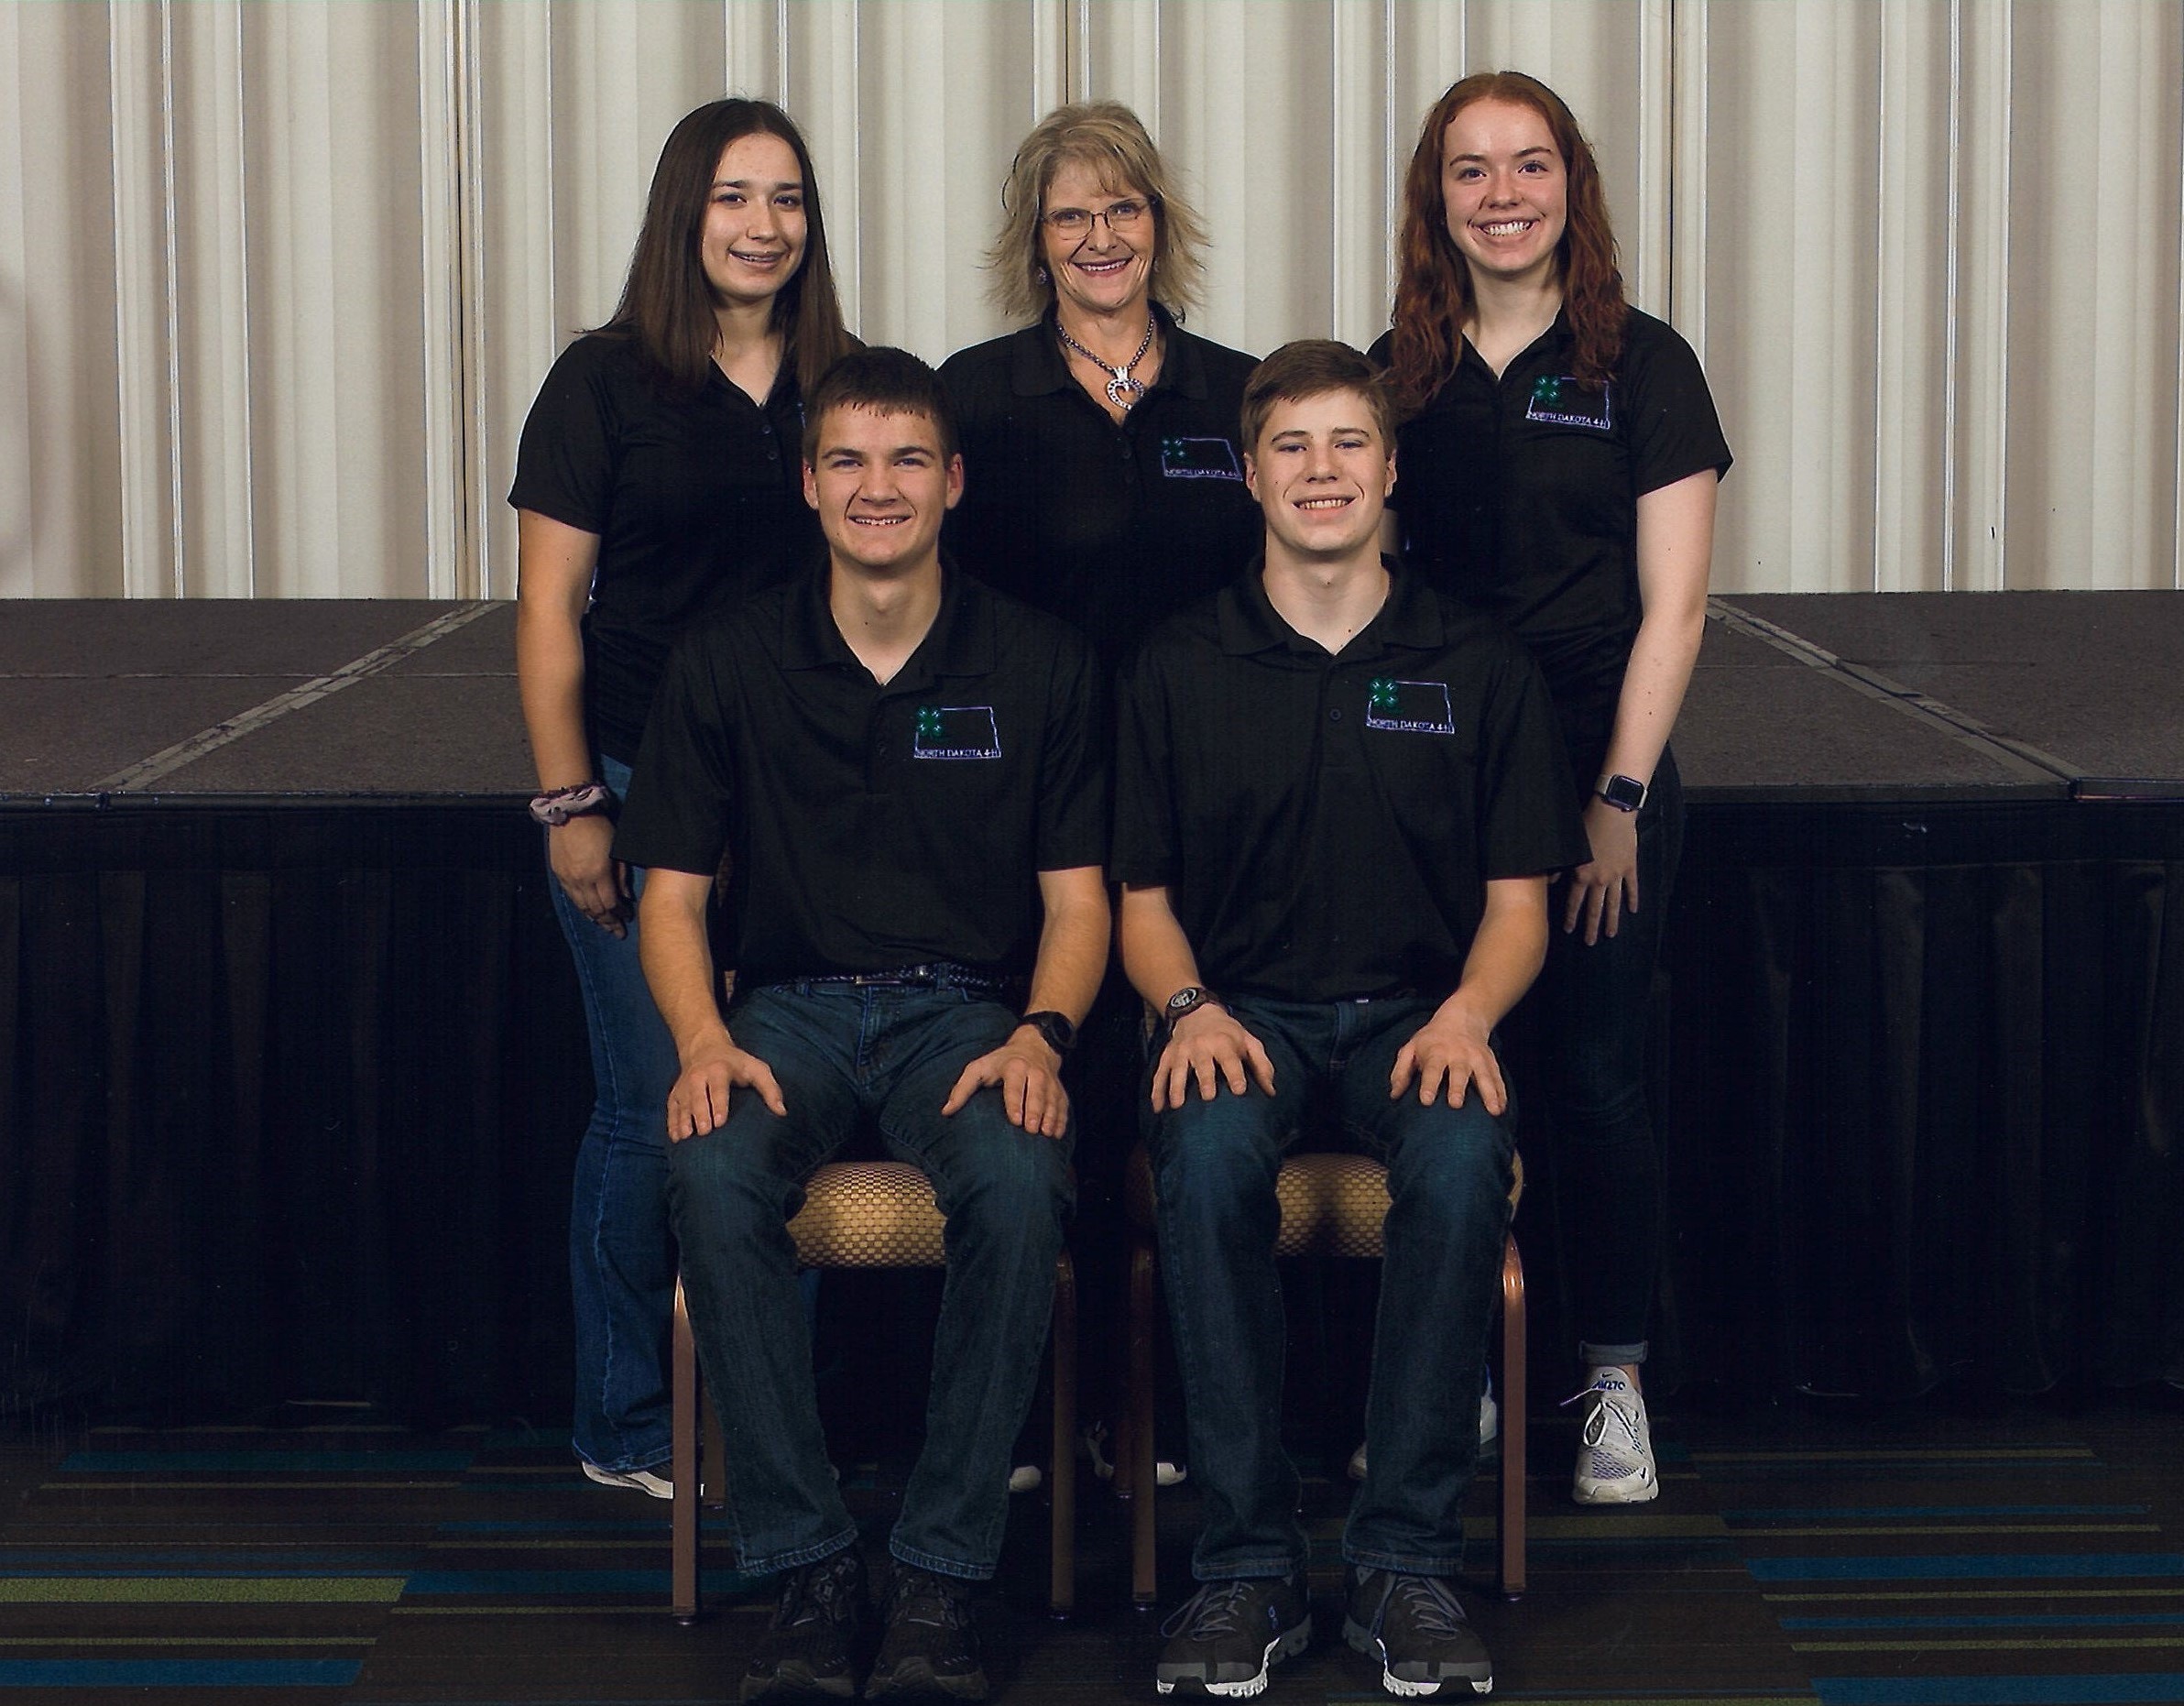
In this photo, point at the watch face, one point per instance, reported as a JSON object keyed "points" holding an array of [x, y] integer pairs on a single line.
{"points": [[1183, 1000]]}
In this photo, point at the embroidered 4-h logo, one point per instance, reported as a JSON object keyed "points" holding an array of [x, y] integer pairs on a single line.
{"points": [[955, 731], [1562, 401], [1408, 708]]}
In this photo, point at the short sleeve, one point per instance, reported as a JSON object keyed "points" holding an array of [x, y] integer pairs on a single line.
{"points": [[1073, 783], [683, 783], [566, 459], [1674, 430], [1145, 851], [1528, 820]]}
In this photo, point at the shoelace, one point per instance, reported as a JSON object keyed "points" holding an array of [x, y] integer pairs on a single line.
{"points": [[920, 1598], [1433, 1607], [1610, 1403], [813, 1594], [1216, 1609]]}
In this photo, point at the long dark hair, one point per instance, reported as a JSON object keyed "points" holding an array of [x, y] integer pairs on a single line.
{"points": [[1432, 283], [667, 304]]}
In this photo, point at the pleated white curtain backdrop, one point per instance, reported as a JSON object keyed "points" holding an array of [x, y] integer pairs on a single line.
{"points": [[276, 282]]}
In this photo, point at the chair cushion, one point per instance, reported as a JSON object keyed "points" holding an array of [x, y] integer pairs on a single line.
{"points": [[868, 1214]]}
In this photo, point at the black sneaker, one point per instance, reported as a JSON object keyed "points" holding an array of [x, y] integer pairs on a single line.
{"points": [[929, 1649], [1229, 1635], [810, 1647], [1413, 1625]]}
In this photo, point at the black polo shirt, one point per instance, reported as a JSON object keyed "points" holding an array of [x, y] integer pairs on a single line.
{"points": [[697, 501], [1519, 494], [1110, 527], [874, 828], [1325, 824]]}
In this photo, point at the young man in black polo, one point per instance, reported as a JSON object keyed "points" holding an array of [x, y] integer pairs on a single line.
{"points": [[1341, 797], [906, 770]]}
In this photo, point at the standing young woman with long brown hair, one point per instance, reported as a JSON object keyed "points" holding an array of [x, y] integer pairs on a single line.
{"points": [[1560, 466], [658, 480]]}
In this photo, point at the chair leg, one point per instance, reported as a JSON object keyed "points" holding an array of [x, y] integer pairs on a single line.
{"points": [[1062, 1467], [683, 1405], [1144, 1584], [1512, 1421]]}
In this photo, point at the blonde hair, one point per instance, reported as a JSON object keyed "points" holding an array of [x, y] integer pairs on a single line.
{"points": [[1107, 138]]}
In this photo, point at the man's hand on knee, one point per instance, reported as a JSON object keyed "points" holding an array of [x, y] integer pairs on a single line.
{"points": [[1210, 1047], [1028, 1073], [699, 1101], [1449, 1052]]}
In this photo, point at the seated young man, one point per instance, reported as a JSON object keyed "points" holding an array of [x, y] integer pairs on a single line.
{"points": [[1339, 799], [906, 771]]}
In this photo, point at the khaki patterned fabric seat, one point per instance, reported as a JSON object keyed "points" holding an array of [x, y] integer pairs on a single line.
{"points": [[872, 1214], [1332, 1205]]}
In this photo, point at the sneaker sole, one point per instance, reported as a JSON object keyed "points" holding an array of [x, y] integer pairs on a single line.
{"points": [[1631, 1490], [1288, 1645], [643, 1481], [795, 1681], [1361, 1639], [915, 1679]]}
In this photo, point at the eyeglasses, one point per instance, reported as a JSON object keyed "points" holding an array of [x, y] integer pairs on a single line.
{"points": [[1123, 219]]}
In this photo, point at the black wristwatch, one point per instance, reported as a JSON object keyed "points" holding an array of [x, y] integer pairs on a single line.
{"points": [[1622, 792], [1060, 1034], [1186, 1000]]}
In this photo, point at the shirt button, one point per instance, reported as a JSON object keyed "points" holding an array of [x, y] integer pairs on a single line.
{"points": [[1336, 715]]}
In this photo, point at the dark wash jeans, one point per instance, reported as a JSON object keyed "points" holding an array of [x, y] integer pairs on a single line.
{"points": [[1595, 1006], [1448, 1175], [840, 1051], [621, 1261]]}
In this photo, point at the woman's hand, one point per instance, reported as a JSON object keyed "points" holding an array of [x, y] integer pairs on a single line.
{"points": [[1606, 886], [581, 853]]}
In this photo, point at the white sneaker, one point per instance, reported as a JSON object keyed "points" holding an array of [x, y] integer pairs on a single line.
{"points": [[1489, 1427], [636, 1479], [1615, 1451]]}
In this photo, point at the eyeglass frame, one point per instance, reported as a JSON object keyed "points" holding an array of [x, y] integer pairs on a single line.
{"points": [[1103, 215]]}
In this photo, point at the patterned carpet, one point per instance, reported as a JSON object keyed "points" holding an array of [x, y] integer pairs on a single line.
{"points": [[2020, 1556]]}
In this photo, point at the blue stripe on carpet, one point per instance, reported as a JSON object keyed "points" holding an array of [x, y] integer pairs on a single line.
{"points": [[1882, 1513], [1967, 1566], [517, 1583], [178, 1673], [2089, 1690], [2089, 1620], [230, 1462]]}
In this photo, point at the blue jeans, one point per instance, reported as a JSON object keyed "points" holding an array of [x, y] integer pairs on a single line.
{"points": [[1449, 1176], [1595, 1005], [621, 1259], [840, 1051]]}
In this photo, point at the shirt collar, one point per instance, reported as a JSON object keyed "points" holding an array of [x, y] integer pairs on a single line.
{"points": [[1248, 624], [961, 641], [1038, 365]]}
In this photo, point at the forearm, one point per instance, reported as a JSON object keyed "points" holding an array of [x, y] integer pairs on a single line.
{"points": [[678, 959], [1073, 944], [1674, 546], [1156, 954], [554, 565], [1507, 951]]}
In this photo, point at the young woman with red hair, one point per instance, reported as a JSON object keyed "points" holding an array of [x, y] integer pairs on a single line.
{"points": [[1559, 466]]}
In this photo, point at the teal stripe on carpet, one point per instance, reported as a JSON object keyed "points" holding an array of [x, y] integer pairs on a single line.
{"points": [[178, 1673], [254, 1462], [1969, 1567]]}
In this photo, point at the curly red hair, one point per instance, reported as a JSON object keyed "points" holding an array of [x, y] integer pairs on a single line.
{"points": [[1433, 282]]}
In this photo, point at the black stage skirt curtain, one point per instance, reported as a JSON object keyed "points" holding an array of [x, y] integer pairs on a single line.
{"points": [[1923, 1098], [289, 1106], [289, 1098]]}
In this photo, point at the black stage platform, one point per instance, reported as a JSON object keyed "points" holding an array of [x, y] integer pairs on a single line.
{"points": [[295, 1068]]}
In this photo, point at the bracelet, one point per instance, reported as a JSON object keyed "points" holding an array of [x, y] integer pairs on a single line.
{"points": [[558, 805]]}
